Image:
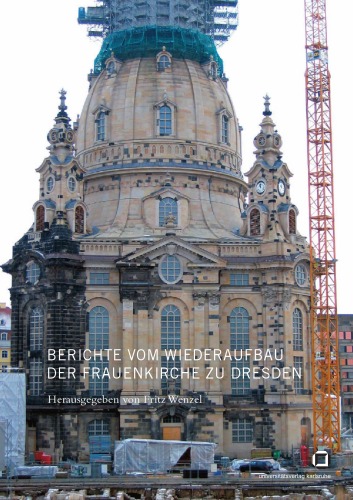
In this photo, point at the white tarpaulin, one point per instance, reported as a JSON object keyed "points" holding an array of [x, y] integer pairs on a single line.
{"points": [[36, 471], [150, 455], [13, 418]]}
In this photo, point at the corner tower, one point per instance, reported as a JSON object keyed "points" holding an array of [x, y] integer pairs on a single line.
{"points": [[147, 190]]}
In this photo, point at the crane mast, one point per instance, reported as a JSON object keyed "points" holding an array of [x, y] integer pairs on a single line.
{"points": [[324, 320]]}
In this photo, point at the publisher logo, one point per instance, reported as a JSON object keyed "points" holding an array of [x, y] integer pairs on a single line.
{"points": [[320, 459]]}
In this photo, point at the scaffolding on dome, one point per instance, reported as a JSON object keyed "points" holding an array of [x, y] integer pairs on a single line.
{"points": [[147, 41], [217, 18]]}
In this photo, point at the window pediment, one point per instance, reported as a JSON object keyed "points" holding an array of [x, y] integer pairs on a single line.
{"points": [[166, 193], [166, 102], [101, 108], [224, 111], [174, 245]]}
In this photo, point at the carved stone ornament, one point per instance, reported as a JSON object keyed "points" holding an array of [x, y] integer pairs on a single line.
{"points": [[214, 298], [200, 297], [171, 249]]}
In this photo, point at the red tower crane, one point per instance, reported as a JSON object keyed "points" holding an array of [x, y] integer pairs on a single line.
{"points": [[324, 321]]}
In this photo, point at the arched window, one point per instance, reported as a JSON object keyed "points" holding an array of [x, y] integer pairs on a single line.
{"points": [[40, 218], [239, 339], [171, 340], [297, 330], [100, 126], [98, 428], [79, 220], [71, 184], [225, 129], [98, 339], [163, 62], [167, 207], [36, 329], [292, 221], [98, 328], [254, 222], [165, 120], [36, 333], [239, 328], [170, 327], [32, 272], [111, 68]]}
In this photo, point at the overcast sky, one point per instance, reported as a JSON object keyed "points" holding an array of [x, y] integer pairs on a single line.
{"points": [[44, 50]]}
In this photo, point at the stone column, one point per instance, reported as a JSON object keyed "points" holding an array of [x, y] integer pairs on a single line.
{"points": [[128, 341], [214, 384], [142, 384], [199, 341]]}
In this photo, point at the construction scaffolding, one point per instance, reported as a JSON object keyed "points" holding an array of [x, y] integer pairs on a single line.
{"points": [[217, 18], [12, 420], [149, 40]]}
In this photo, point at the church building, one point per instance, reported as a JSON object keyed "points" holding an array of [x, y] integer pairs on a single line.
{"points": [[163, 289]]}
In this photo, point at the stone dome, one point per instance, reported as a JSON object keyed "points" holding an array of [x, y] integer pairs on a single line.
{"points": [[161, 115]]}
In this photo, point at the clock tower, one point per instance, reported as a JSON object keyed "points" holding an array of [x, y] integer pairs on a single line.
{"points": [[270, 214]]}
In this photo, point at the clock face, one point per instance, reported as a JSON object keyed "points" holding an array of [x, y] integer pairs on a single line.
{"points": [[69, 136], [261, 140], [260, 187], [53, 136], [281, 187]]}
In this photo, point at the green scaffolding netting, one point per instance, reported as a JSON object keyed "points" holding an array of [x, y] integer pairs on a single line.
{"points": [[147, 41]]}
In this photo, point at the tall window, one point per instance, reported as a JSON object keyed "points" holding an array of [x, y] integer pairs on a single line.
{"points": [[98, 377], [239, 328], [165, 120], [167, 207], [98, 339], [225, 129], [254, 222], [170, 327], [40, 218], [171, 340], [79, 220], [298, 364], [239, 339], [35, 376], [36, 329], [242, 430], [292, 221], [100, 126], [297, 330], [98, 328], [36, 333]]}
